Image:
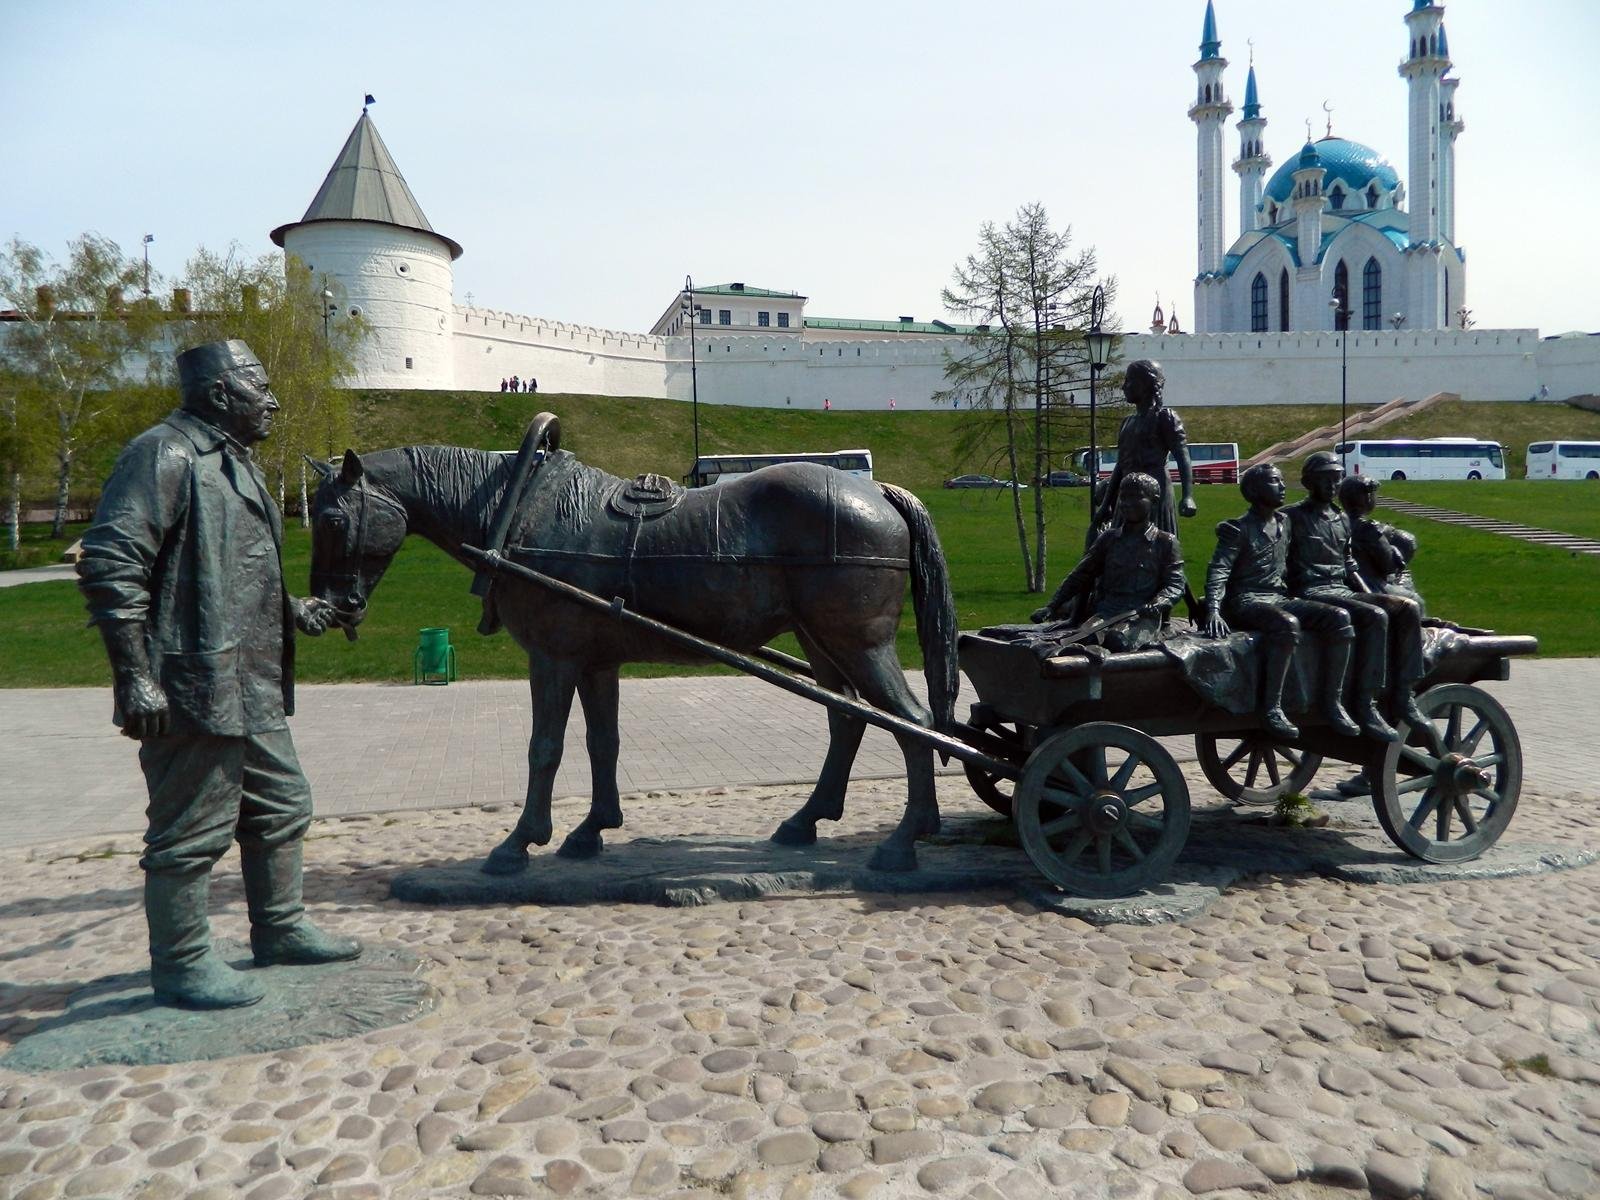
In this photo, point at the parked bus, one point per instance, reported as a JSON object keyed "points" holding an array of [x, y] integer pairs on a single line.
{"points": [[1211, 462], [1425, 458], [719, 468], [1564, 460]]}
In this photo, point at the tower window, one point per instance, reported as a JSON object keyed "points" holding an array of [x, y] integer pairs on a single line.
{"points": [[1283, 301], [1258, 304], [1372, 295], [408, 362]]}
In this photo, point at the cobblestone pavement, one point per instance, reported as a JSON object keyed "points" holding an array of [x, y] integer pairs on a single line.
{"points": [[373, 748], [1307, 1035]]}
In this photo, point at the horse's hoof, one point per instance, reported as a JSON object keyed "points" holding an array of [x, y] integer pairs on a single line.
{"points": [[893, 858], [795, 833], [581, 847], [503, 861]]}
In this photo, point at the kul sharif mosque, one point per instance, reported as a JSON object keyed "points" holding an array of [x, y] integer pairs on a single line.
{"points": [[1334, 220]]}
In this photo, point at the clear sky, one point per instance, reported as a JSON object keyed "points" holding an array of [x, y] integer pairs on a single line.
{"points": [[588, 156]]}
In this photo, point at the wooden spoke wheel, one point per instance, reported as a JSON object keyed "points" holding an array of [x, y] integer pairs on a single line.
{"points": [[1448, 791], [996, 790], [1102, 810], [1253, 768]]}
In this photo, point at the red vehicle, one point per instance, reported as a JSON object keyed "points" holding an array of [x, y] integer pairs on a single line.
{"points": [[1212, 462]]}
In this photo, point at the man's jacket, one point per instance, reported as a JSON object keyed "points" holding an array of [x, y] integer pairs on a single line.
{"points": [[180, 513]]}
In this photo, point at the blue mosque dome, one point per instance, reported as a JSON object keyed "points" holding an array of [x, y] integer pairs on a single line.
{"points": [[1351, 163]]}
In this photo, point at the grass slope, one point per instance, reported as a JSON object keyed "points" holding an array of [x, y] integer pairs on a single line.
{"points": [[1568, 505]]}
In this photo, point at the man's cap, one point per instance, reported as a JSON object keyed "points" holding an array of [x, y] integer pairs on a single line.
{"points": [[199, 365], [1322, 460]]}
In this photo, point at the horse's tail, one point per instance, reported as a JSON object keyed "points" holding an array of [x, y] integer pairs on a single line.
{"points": [[934, 604]]}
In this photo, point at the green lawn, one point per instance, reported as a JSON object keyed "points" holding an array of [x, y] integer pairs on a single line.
{"points": [[1476, 578], [1570, 505]]}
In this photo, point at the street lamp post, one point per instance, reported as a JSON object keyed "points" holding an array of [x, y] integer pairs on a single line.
{"points": [[1341, 323], [1099, 342], [691, 312], [148, 238]]}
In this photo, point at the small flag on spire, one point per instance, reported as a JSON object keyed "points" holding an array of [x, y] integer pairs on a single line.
{"points": [[369, 100]]}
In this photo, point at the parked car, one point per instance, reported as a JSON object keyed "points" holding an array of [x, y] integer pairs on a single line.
{"points": [[982, 481], [1066, 479]]}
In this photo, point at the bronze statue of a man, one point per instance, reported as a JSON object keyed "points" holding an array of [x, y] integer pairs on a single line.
{"points": [[1321, 568], [1383, 553], [1147, 436], [1246, 588], [182, 572], [1131, 567]]}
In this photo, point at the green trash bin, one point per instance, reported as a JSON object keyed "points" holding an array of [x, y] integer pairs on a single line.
{"points": [[434, 660]]}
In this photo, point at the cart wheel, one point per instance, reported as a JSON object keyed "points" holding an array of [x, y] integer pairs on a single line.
{"points": [[995, 790], [1252, 768], [1448, 791], [1102, 810]]}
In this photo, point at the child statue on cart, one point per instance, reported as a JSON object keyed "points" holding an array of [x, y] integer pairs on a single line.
{"points": [[1130, 578]]}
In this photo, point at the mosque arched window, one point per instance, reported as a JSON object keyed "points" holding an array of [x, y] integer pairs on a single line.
{"points": [[1258, 304], [1372, 196], [1341, 293], [1336, 196], [1372, 295], [1283, 300]]}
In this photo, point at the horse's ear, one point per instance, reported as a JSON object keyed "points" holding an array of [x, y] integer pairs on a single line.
{"points": [[352, 469], [323, 470]]}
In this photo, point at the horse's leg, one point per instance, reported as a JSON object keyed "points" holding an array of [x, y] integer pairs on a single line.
{"points": [[826, 802], [880, 681], [597, 692], [550, 681]]}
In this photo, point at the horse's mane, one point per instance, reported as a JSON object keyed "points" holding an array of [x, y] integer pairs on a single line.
{"points": [[453, 479]]}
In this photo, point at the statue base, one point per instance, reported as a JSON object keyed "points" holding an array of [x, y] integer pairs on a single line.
{"points": [[972, 854], [116, 1019]]}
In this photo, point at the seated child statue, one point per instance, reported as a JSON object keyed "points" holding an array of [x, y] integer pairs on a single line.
{"points": [[1382, 552], [1131, 567], [1247, 588]]}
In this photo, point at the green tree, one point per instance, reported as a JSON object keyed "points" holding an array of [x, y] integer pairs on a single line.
{"points": [[1021, 372], [71, 351], [276, 306]]}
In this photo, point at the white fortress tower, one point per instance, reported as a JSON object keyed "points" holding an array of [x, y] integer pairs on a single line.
{"points": [[364, 239], [1210, 113]]}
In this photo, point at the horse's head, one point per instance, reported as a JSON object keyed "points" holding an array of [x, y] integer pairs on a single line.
{"points": [[356, 528]]}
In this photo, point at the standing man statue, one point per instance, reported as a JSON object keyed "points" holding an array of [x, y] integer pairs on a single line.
{"points": [[1321, 567], [1246, 588], [1144, 441], [183, 574]]}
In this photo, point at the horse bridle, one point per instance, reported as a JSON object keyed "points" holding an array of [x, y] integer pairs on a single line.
{"points": [[356, 600]]}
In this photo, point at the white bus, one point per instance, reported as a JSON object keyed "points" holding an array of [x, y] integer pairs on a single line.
{"points": [[1564, 460], [719, 468], [1425, 458]]}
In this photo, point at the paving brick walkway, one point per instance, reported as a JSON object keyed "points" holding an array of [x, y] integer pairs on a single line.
{"points": [[64, 772], [1524, 533]]}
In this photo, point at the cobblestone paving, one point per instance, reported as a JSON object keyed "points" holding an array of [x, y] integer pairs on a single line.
{"points": [[1306, 1036]]}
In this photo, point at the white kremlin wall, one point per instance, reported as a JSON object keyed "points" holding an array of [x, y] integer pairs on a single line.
{"points": [[856, 371]]}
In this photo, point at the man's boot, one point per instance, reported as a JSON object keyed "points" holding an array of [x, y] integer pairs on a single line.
{"points": [[184, 970], [1335, 663], [1403, 703], [1274, 671], [279, 933]]}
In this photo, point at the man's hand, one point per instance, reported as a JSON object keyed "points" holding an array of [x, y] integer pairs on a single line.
{"points": [[312, 616], [1150, 611], [1041, 615], [1187, 507], [143, 705], [1214, 626]]}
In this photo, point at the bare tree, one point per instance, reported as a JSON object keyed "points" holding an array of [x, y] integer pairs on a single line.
{"points": [[75, 345], [1029, 296]]}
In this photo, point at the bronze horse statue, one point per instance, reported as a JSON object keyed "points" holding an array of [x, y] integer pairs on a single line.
{"points": [[797, 548]]}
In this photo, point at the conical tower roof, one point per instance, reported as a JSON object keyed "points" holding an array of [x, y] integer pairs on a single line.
{"points": [[364, 185]]}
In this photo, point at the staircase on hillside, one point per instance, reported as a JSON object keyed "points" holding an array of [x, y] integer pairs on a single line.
{"points": [[1328, 435]]}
